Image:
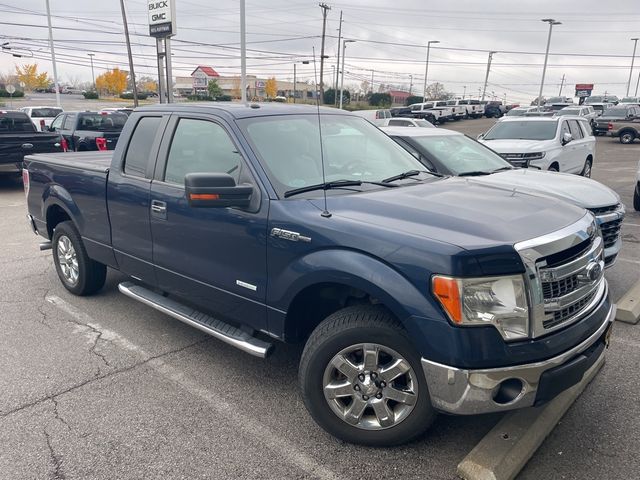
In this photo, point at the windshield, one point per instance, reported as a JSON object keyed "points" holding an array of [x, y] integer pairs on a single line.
{"points": [[102, 122], [557, 100], [615, 112], [596, 99], [45, 112], [354, 149], [516, 113], [423, 123], [523, 130], [458, 154]]}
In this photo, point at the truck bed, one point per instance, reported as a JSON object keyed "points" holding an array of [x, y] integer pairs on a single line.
{"points": [[98, 162]]}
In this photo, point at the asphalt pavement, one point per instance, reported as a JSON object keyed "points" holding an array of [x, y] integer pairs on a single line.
{"points": [[104, 387]]}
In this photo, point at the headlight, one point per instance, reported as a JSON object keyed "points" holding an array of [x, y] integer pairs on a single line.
{"points": [[534, 156], [498, 301]]}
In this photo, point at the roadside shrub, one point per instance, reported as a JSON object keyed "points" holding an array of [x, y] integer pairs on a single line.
{"points": [[129, 96], [209, 98], [413, 99], [16, 94], [380, 99], [91, 95]]}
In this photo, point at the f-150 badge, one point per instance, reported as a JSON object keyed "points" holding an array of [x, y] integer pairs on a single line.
{"points": [[289, 235]]}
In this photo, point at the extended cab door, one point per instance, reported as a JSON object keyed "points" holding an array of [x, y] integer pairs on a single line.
{"points": [[128, 191], [569, 156], [214, 257], [582, 146]]}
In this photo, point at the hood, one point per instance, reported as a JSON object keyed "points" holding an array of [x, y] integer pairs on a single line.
{"points": [[513, 145], [456, 211], [580, 191]]}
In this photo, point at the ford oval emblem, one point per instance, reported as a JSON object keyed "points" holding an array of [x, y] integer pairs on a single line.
{"points": [[593, 271]]}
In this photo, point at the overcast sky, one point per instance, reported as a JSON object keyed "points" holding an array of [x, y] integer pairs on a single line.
{"points": [[282, 32]]}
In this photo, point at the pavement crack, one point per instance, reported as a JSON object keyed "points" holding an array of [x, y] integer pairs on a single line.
{"points": [[88, 381], [56, 459], [56, 413]]}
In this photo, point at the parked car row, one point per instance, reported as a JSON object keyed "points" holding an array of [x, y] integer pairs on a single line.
{"points": [[452, 283]]}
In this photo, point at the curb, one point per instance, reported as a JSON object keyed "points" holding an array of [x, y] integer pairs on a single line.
{"points": [[629, 305], [505, 450]]}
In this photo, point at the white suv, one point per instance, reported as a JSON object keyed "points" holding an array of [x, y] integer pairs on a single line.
{"points": [[560, 144]]}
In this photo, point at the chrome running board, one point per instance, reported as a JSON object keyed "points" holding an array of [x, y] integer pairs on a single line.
{"points": [[216, 328]]}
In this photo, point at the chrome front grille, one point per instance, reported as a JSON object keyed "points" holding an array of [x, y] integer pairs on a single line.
{"points": [[602, 210], [611, 232], [565, 275], [609, 219]]}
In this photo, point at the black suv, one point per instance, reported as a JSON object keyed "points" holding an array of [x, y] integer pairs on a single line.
{"points": [[494, 109]]}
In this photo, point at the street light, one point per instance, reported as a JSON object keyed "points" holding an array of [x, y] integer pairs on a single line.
{"points": [[91, 55], [633, 57], [344, 49], [551, 23], [304, 62], [426, 70]]}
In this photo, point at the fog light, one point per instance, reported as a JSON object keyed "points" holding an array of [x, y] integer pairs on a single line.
{"points": [[508, 391]]}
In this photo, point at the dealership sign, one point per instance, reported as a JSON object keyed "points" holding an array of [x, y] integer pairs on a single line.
{"points": [[584, 89], [162, 18]]}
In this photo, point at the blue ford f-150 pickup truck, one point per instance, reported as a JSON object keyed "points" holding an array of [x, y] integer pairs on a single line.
{"points": [[413, 293]]}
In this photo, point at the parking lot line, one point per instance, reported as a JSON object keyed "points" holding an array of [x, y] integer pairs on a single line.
{"points": [[252, 428], [631, 224], [629, 260]]}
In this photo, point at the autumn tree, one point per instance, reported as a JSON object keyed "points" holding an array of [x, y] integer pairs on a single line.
{"points": [[31, 78], [147, 84], [112, 81], [271, 87]]}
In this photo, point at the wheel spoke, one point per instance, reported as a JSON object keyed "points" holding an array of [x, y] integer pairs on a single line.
{"points": [[345, 367], [399, 396], [336, 390], [393, 371], [383, 413], [370, 354], [355, 411]]}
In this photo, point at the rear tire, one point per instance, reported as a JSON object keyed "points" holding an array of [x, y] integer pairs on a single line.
{"points": [[636, 198], [365, 341], [77, 272], [554, 168], [586, 170], [627, 137]]}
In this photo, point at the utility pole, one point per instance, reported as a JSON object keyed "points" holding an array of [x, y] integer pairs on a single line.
{"points": [[162, 89], [372, 71], [486, 77], [167, 52], [243, 53], [53, 56], [93, 77], [410, 84], [551, 23], [633, 57], [426, 70], [131, 72], [562, 85], [324, 8], [337, 75], [637, 84], [464, 91], [344, 50]]}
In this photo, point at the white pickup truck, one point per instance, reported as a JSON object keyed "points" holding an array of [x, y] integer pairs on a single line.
{"points": [[439, 109], [474, 108]]}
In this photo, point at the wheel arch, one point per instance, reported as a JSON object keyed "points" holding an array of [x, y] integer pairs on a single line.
{"points": [[58, 206]]}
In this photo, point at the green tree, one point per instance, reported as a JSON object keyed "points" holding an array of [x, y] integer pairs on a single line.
{"points": [[214, 89], [330, 96], [413, 99], [380, 100]]}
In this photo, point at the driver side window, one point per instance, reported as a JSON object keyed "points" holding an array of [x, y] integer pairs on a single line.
{"points": [[57, 122], [201, 146], [564, 129]]}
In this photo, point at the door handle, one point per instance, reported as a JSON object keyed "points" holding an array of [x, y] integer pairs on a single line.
{"points": [[27, 146], [158, 207]]}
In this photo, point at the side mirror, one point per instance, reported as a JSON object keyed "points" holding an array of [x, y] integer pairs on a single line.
{"points": [[206, 190], [566, 138]]}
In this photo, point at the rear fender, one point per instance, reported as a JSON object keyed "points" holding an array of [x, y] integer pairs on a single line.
{"points": [[57, 195]]}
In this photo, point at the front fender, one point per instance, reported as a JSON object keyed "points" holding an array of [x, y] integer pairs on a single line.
{"points": [[355, 269]]}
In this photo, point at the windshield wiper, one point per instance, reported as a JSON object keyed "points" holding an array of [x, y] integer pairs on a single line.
{"points": [[501, 169], [333, 184], [410, 173], [474, 173]]}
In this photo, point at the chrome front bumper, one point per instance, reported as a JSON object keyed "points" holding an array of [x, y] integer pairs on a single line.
{"points": [[469, 392]]}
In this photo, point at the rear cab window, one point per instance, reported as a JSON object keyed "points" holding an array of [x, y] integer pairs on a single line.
{"points": [[15, 122], [136, 160]]}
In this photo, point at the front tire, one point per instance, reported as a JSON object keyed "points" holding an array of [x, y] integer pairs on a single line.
{"points": [[362, 380], [586, 170], [77, 272], [636, 198]]}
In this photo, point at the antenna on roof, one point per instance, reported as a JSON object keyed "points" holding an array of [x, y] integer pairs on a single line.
{"points": [[326, 212]]}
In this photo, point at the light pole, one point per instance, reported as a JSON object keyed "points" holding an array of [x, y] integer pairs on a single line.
{"points": [[464, 92], [410, 84], [304, 62], [53, 56], [426, 70], [486, 77], [344, 49], [243, 53], [93, 77], [633, 57], [551, 23]]}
